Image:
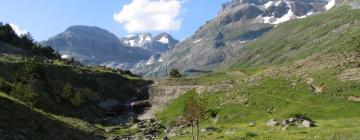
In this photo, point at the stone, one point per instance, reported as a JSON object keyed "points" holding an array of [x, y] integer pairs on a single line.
{"points": [[285, 128], [292, 120], [272, 123], [135, 126], [208, 129], [306, 124], [252, 124], [108, 104], [285, 123]]}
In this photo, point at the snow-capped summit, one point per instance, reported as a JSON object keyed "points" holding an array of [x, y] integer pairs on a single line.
{"points": [[273, 11], [146, 41], [137, 40]]}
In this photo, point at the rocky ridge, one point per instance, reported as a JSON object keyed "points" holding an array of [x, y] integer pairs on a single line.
{"points": [[220, 39]]}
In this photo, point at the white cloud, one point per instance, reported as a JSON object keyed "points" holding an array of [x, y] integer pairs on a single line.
{"points": [[150, 15], [17, 29]]}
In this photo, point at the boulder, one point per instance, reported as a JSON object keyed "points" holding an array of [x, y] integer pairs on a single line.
{"points": [[292, 120], [252, 124], [208, 129], [307, 124], [272, 123], [109, 104], [285, 123]]}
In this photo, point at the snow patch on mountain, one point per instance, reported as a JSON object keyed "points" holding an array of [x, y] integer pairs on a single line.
{"points": [[289, 16], [330, 4], [269, 4], [164, 40], [137, 40], [197, 41]]}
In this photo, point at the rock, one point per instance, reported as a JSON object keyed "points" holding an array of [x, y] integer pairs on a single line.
{"points": [[208, 129], [272, 123], [165, 138], [135, 126], [292, 120], [150, 121], [108, 104], [354, 98], [285, 128], [252, 124], [307, 123], [285, 123], [140, 105]]}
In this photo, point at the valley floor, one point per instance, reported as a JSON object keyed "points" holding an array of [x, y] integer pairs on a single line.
{"points": [[323, 94]]}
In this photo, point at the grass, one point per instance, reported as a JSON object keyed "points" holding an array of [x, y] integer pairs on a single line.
{"points": [[175, 109], [275, 97], [330, 32], [18, 120]]}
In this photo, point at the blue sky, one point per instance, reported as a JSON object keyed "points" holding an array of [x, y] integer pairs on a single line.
{"points": [[46, 18]]}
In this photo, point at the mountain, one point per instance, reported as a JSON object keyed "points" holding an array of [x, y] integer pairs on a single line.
{"points": [[146, 41], [96, 46], [43, 96], [221, 38], [301, 76]]}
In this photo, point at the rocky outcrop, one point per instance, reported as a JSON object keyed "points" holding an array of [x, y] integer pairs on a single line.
{"points": [[296, 120], [245, 12]]}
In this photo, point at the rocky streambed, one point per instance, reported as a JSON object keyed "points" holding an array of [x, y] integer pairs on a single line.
{"points": [[137, 117]]}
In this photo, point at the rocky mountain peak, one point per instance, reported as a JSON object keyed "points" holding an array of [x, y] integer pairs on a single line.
{"points": [[146, 41], [166, 38], [137, 40], [272, 11]]}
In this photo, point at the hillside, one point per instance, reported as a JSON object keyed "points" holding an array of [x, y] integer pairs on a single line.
{"points": [[335, 31], [18, 121], [41, 94], [222, 38], [307, 67], [96, 46]]}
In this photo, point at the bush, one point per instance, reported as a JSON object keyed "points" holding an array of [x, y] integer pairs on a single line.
{"points": [[77, 100], [24, 93], [74, 97], [174, 73]]}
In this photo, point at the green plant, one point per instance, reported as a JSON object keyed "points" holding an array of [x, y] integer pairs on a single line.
{"points": [[71, 95], [194, 112], [77, 100], [174, 73], [24, 93]]}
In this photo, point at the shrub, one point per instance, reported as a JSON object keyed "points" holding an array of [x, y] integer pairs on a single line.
{"points": [[194, 112], [74, 97], [25, 93], [174, 73], [77, 100]]}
